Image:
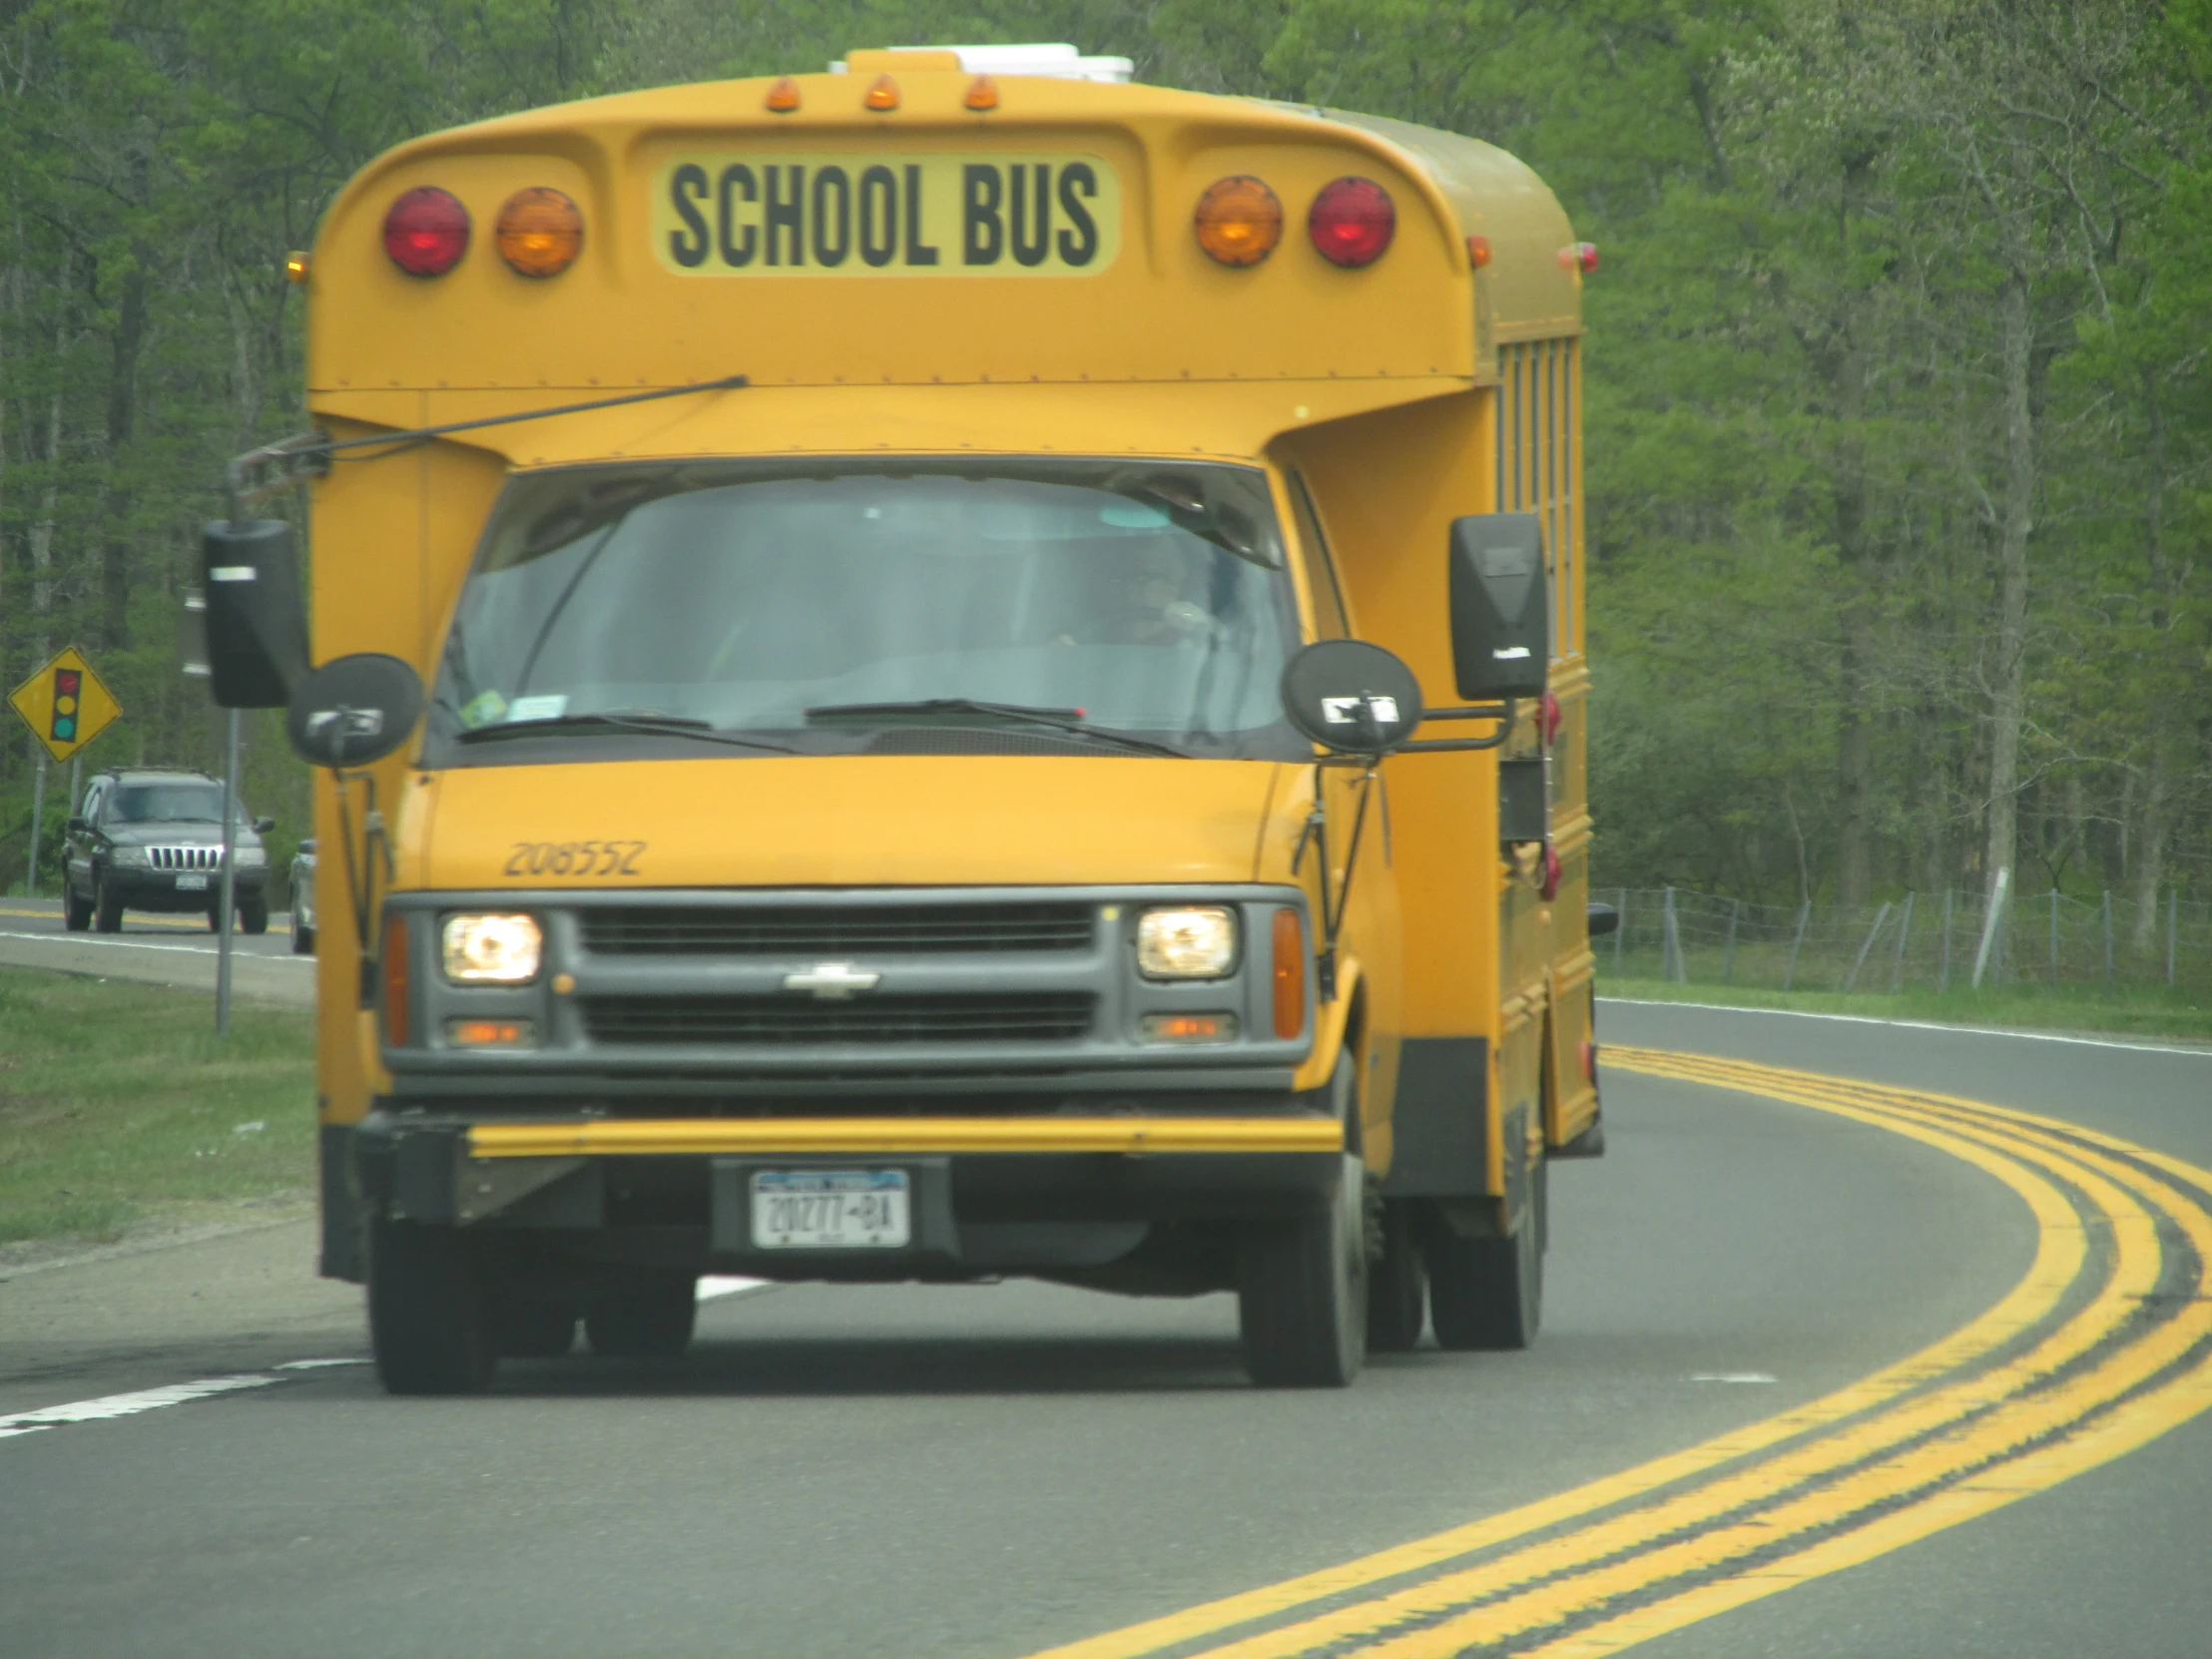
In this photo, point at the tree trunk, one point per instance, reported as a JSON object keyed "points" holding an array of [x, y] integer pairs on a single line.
{"points": [[2015, 522], [2151, 827], [1854, 736], [114, 566]]}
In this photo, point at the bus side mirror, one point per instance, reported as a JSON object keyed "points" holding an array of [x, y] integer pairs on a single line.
{"points": [[1351, 697], [1500, 618], [257, 627], [354, 710], [1603, 921]]}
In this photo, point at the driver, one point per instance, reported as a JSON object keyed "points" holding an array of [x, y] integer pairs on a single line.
{"points": [[1143, 602]]}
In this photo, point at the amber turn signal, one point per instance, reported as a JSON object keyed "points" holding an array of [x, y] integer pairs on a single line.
{"points": [[295, 268], [488, 1034], [1239, 221], [884, 95], [393, 969], [1290, 975], [1478, 250], [983, 94], [540, 232], [783, 97]]}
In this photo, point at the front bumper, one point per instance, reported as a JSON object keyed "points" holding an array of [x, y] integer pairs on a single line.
{"points": [[161, 889], [1055, 1196]]}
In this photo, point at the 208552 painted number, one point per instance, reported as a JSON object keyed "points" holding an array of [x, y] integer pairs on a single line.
{"points": [[575, 858]]}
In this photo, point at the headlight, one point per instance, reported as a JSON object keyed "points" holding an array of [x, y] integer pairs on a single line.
{"points": [[491, 950], [131, 858], [1197, 941]]}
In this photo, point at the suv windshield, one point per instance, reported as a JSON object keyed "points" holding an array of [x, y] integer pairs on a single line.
{"points": [[184, 802], [817, 607]]}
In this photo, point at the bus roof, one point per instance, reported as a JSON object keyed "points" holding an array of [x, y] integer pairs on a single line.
{"points": [[1048, 239]]}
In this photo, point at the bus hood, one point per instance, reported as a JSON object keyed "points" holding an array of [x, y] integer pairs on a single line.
{"points": [[847, 820]]}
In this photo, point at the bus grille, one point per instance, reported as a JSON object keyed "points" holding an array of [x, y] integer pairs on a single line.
{"points": [[1027, 1018], [184, 857], [826, 930]]}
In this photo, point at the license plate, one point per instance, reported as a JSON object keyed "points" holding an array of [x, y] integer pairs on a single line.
{"points": [[830, 1209], [192, 883]]}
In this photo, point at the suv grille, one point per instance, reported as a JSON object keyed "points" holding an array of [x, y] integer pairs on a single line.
{"points": [[819, 930], [184, 857], [1055, 1016]]}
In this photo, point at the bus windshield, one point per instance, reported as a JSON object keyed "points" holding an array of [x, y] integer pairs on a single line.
{"points": [[826, 606]]}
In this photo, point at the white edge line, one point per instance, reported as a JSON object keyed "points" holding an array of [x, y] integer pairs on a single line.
{"points": [[142, 945], [1911, 1025], [130, 1404], [713, 1285]]}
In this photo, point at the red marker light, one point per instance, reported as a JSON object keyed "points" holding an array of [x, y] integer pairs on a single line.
{"points": [[426, 232], [1351, 221], [1553, 869], [1553, 717], [1578, 256]]}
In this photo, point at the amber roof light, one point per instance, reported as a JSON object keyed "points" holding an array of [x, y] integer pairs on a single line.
{"points": [[1239, 221], [884, 95], [540, 232], [783, 97]]}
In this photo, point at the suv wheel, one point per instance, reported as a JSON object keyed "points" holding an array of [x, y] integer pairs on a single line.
{"points": [[107, 907], [302, 935], [76, 912], [254, 914]]}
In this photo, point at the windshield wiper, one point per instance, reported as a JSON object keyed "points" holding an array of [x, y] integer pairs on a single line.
{"points": [[1060, 720], [669, 726]]}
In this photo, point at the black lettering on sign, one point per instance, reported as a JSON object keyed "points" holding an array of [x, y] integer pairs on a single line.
{"points": [[687, 187], [736, 177], [879, 216], [982, 231], [1078, 245], [917, 251], [786, 217], [1029, 225], [832, 217]]}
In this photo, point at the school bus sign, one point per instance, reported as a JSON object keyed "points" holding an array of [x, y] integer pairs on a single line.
{"points": [[65, 705]]}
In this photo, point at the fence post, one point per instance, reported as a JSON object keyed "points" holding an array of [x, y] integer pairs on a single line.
{"points": [[2054, 934], [1880, 917], [2173, 922], [1728, 962], [1989, 925], [1944, 984], [2108, 938], [1789, 973], [1905, 928], [1670, 946], [1620, 930]]}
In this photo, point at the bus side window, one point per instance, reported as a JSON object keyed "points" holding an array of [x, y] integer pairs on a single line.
{"points": [[1330, 620]]}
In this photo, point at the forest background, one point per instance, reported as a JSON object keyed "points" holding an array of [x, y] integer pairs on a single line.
{"points": [[1898, 396]]}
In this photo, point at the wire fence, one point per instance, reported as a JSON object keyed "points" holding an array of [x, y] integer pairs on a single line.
{"points": [[1922, 941]]}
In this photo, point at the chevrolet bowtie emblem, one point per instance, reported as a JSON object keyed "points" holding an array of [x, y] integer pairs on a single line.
{"points": [[832, 981]]}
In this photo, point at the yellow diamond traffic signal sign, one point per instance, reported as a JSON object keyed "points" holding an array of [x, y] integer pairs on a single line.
{"points": [[65, 705]]}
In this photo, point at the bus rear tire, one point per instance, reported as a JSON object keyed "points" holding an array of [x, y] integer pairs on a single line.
{"points": [[649, 1316], [1301, 1291], [427, 1323], [1488, 1294], [1397, 1294]]}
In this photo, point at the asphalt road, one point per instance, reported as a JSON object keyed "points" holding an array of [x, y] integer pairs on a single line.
{"points": [[999, 1470], [158, 950]]}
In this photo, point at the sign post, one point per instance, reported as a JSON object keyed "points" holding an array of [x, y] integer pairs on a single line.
{"points": [[66, 706]]}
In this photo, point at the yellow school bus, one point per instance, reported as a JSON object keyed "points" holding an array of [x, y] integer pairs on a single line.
{"points": [[930, 674]]}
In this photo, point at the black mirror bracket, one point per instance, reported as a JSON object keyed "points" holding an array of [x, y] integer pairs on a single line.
{"points": [[1505, 713], [1316, 834], [361, 875]]}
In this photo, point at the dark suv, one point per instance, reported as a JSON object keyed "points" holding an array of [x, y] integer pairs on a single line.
{"points": [[149, 839]]}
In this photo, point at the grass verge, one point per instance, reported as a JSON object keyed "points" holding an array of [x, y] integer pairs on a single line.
{"points": [[2131, 1012], [119, 1107]]}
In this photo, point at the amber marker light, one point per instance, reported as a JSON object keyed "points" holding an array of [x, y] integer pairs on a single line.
{"points": [[392, 969], [1290, 975], [426, 232], [295, 268], [487, 1033], [1351, 223], [884, 95], [783, 97], [1239, 221], [1189, 1028], [981, 95], [1478, 250], [540, 232]]}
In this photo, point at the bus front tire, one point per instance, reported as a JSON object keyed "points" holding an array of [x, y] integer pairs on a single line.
{"points": [[428, 1322], [1301, 1291], [1488, 1294], [649, 1316]]}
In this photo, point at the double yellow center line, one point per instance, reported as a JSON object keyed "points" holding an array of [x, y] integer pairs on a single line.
{"points": [[2104, 1344]]}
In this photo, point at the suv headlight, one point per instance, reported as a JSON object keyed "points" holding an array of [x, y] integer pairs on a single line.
{"points": [[491, 950], [128, 857], [1190, 942]]}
